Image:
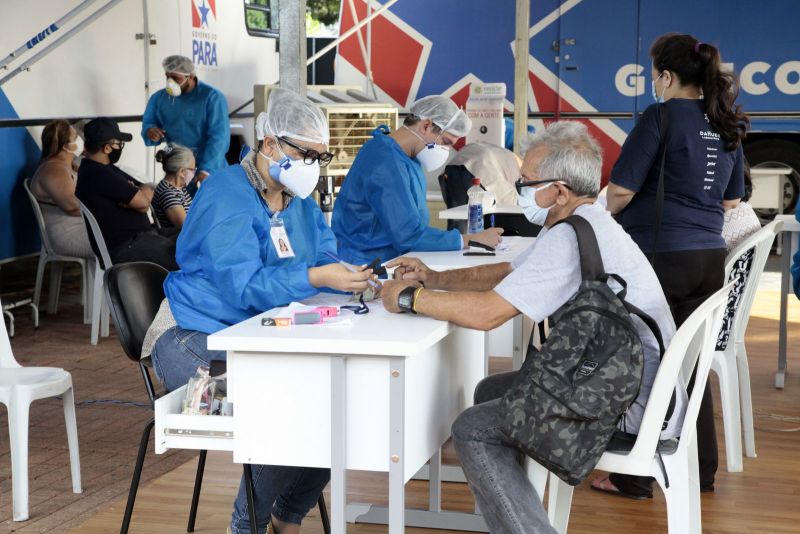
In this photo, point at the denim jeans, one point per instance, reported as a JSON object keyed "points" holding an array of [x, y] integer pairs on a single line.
{"points": [[156, 246], [286, 492], [506, 497]]}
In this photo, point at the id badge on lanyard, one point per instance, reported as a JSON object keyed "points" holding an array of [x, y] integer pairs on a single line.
{"points": [[280, 239]]}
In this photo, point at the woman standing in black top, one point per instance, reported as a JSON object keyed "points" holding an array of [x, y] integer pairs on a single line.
{"points": [[703, 177]]}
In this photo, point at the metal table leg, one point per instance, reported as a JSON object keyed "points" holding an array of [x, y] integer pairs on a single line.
{"points": [[338, 445], [786, 261], [397, 490]]}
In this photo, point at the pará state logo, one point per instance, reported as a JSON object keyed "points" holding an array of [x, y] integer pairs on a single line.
{"points": [[204, 34]]}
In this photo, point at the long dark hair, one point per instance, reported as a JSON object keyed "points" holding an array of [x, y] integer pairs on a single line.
{"points": [[54, 136], [696, 63]]}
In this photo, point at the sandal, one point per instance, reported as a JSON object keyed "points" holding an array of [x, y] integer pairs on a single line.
{"points": [[606, 486]]}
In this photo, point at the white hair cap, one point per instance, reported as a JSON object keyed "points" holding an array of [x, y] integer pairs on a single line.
{"points": [[444, 113], [291, 115], [179, 64]]}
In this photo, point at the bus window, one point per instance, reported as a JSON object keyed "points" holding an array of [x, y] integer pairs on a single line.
{"points": [[258, 17]]}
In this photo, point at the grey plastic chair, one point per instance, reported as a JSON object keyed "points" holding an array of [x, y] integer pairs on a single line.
{"points": [[49, 255], [102, 262]]}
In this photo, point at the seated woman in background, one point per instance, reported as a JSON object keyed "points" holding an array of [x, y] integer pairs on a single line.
{"points": [[53, 185], [171, 200]]}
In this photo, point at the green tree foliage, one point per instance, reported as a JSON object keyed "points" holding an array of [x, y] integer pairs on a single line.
{"points": [[325, 11]]}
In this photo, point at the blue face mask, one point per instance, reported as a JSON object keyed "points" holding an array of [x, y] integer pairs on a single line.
{"points": [[658, 99], [533, 211]]}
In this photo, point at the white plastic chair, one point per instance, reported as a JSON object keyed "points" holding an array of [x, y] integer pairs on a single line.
{"points": [[19, 386], [693, 344], [48, 255], [102, 262], [730, 364]]}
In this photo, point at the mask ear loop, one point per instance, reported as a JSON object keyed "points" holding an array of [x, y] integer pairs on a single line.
{"points": [[446, 126], [665, 88]]}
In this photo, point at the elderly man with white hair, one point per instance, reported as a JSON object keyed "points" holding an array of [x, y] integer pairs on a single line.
{"points": [[381, 210], [191, 113], [560, 177]]}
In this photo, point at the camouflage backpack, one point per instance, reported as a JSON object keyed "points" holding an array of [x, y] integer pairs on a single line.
{"points": [[570, 395]]}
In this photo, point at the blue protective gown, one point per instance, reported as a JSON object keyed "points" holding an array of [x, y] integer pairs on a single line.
{"points": [[229, 269], [197, 120], [381, 210]]}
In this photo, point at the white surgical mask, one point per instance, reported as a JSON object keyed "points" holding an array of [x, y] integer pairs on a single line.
{"points": [[294, 174], [658, 99], [78, 144], [173, 87], [533, 211], [433, 155], [185, 176]]}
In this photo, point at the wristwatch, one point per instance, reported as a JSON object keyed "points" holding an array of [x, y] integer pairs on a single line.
{"points": [[405, 299]]}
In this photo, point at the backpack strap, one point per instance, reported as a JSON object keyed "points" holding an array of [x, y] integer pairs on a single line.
{"points": [[663, 128], [653, 326], [591, 260]]}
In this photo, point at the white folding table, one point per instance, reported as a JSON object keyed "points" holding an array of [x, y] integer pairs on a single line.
{"points": [[521, 327], [455, 259], [768, 187], [379, 395], [460, 212]]}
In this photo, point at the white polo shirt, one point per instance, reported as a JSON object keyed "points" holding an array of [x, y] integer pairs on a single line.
{"points": [[548, 274]]}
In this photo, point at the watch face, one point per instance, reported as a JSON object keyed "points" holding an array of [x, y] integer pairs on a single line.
{"points": [[405, 298]]}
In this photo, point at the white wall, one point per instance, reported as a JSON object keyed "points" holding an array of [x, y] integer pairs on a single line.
{"points": [[100, 71]]}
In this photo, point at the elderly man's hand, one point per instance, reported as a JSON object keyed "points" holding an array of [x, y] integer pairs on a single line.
{"points": [[412, 269], [201, 175], [391, 289], [490, 236]]}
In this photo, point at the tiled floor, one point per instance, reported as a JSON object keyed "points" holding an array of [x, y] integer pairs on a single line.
{"points": [[109, 433]]}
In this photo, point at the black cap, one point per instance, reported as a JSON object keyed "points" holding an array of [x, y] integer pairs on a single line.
{"points": [[102, 130]]}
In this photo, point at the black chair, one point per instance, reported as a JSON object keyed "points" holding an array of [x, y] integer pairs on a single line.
{"points": [[134, 292], [454, 183]]}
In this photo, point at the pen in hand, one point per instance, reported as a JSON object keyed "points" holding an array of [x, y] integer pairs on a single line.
{"points": [[349, 267]]}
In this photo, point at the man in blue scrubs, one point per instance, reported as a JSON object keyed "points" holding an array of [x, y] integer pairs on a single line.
{"points": [[381, 210], [190, 113]]}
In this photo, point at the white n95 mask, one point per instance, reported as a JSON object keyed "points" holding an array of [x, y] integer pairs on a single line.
{"points": [[173, 88], [432, 156], [294, 174], [527, 201]]}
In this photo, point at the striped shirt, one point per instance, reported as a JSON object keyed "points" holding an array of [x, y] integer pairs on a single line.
{"points": [[165, 197]]}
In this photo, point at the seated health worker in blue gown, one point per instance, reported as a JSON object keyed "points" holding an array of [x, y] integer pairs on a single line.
{"points": [[381, 210], [232, 267]]}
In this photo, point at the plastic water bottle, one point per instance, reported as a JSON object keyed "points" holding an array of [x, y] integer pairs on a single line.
{"points": [[475, 207]]}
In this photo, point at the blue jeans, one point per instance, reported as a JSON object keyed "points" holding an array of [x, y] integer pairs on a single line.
{"points": [[506, 497], [286, 492]]}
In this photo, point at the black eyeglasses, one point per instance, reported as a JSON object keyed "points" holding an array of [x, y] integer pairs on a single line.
{"points": [[310, 155], [117, 144], [519, 184], [361, 309]]}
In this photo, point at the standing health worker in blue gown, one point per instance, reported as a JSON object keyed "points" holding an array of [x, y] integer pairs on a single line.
{"points": [[232, 267], [191, 113], [381, 210]]}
